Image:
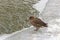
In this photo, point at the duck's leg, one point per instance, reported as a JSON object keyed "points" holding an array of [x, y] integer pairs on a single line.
{"points": [[37, 28]]}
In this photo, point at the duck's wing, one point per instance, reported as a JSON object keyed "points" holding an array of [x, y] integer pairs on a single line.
{"points": [[39, 21]]}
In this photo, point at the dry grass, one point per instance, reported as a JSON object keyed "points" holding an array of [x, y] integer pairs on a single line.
{"points": [[14, 14]]}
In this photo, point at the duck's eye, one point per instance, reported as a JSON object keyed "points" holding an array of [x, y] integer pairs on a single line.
{"points": [[31, 17]]}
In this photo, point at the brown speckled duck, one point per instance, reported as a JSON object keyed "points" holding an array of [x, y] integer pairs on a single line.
{"points": [[37, 23]]}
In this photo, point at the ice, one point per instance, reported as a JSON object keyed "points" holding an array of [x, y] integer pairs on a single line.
{"points": [[40, 5], [2, 37]]}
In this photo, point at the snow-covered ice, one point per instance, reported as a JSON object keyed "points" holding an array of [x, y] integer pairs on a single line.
{"points": [[40, 5], [2, 37]]}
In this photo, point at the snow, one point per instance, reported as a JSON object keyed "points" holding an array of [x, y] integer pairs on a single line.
{"points": [[2, 37], [52, 32], [40, 5]]}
